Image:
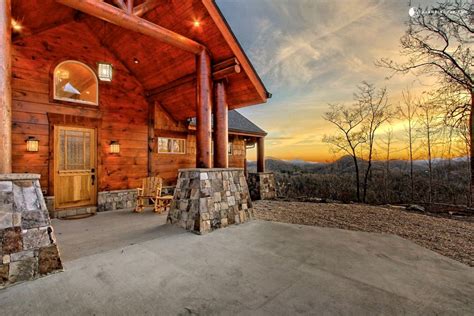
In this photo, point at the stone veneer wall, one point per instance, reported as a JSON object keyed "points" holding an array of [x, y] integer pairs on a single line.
{"points": [[207, 199], [116, 200], [262, 185], [120, 199], [106, 201], [28, 245]]}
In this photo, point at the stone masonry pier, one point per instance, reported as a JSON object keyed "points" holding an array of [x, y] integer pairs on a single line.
{"points": [[262, 186], [208, 199], [27, 243]]}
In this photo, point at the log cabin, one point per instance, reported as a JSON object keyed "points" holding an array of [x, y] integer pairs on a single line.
{"points": [[96, 95]]}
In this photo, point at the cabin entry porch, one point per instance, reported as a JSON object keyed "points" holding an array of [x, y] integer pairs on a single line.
{"points": [[145, 68]]}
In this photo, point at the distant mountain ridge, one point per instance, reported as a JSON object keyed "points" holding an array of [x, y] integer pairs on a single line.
{"points": [[344, 164]]}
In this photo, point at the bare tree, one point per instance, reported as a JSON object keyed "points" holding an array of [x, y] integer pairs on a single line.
{"points": [[408, 114], [376, 109], [388, 143], [438, 41], [348, 121], [465, 145], [429, 124]]}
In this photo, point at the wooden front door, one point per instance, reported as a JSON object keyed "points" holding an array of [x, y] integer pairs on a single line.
{"points": [[75, 180]]}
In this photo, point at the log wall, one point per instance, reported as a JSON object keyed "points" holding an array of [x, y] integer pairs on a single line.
{"points": [[122, 110], [122, 114], [166, 165]]}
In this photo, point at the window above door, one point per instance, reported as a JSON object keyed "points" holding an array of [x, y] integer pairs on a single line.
{"points": [[75, 82]]}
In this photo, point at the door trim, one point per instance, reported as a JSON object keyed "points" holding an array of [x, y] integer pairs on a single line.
{"points": [[77, 118], [55, 172]]}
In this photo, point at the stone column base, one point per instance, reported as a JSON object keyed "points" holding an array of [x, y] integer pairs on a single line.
{"points": [[262, 185], [208, 199], [27, 243]]}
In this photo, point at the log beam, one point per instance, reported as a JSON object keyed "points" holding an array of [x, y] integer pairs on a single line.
{"points": [[261, 154], [107, 12], [121, 4], [130, 6], [219, 72], [224, 73], [145, 7], [5, 88], [221, 126], [203, 111], [225, 64], [172, 85]]}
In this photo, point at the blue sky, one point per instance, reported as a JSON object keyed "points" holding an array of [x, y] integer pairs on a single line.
{"points": [[310, 53]]}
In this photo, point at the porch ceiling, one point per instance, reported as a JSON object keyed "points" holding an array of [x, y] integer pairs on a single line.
{"points": [[158, 63]]}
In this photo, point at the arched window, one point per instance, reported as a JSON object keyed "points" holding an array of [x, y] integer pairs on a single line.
{"points": [[75, 82]]}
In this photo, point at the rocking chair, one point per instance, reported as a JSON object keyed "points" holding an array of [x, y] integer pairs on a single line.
{"points": [[151, 190]]}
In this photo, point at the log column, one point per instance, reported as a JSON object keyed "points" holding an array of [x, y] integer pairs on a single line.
{"points": [[5, 88], [203, 110], [260, 154], [221, 127]]}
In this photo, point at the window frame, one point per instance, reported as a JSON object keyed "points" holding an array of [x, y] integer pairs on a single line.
{"points": [[171, 152], [74, 101]]}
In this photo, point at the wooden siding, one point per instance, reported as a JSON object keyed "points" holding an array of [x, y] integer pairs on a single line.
{"points": [[166, 165], [153, 62], [122, 110], [237, 159]]}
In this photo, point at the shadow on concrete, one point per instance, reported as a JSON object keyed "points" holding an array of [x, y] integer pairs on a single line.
{"points": [[109, 230]]}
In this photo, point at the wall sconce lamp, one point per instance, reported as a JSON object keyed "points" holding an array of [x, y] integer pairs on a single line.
{"points": [[32, 144], [105, 71], [114, 147]]}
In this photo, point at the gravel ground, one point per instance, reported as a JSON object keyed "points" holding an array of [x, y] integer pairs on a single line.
{"points": [[451, 238]]}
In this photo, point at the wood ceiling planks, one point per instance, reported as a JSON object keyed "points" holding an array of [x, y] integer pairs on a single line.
{"points": [[158, 63]]}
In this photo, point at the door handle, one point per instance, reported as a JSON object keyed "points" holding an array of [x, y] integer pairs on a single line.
{"points": [[93, 178]]}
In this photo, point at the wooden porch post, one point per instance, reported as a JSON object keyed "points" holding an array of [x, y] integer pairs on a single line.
{"points": [[221, 127], [151, 137], [5, 88], [203, 110], [260, 154]]}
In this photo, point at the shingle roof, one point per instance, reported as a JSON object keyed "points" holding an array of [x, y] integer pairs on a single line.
{"points": [[239, 123]]}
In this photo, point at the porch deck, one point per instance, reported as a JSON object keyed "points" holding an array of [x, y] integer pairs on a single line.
{"points": [[106, 231], [263, 268]]}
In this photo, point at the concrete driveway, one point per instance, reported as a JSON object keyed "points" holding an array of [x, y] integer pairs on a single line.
{"points": [[254, 268]]}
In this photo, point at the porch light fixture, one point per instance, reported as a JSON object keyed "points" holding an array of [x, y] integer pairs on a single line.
{"points": [[197, 23], [105, 71], [114, 147], [16, 26], [32, 144]]}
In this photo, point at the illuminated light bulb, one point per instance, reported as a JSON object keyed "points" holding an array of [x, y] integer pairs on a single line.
{"points": [[114, 147], [197, 23], [32, 144], [16, 26]]}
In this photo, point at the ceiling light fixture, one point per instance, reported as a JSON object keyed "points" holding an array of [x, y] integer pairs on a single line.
{"points": [[16, 26]]}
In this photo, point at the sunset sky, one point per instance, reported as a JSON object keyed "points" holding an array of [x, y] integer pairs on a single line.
{"points": [[312, 52]]}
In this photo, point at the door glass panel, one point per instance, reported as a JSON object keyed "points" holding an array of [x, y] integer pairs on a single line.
{"points": [[74, 150]]}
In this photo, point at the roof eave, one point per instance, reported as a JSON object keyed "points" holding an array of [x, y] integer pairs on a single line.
{"points": [[231, 39], [246, 133]]}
